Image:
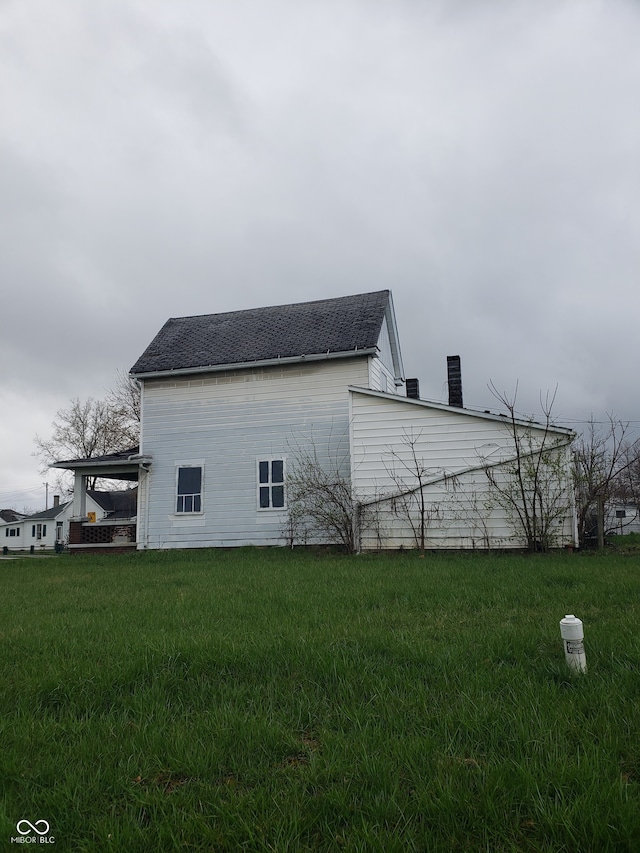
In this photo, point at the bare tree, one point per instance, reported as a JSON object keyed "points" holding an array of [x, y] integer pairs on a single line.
{"points": [[319, 500], [91, 428], [410, 475], [626, 487], [605, 467], [124, 397], [533, 486]]}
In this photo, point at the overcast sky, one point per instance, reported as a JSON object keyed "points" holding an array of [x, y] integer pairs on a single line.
{"points": [[161, 159]]}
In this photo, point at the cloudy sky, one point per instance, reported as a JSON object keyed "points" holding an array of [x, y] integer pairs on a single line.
{"points": [[161, 159]]}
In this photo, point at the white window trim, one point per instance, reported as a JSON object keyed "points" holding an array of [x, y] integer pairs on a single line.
{"points": [[198, 463], [271, 459]]}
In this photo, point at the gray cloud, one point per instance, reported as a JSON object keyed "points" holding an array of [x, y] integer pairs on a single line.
{"points": [[162, 159]]}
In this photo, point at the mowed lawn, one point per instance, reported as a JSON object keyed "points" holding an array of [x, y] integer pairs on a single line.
{"points": [[274, 700]]}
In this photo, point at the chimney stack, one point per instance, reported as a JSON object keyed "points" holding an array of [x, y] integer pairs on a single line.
{"points": [[454, 378], [413, 389], [56, 500]]}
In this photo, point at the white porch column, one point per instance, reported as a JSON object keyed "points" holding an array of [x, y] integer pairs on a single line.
{"points": [[79, 495]]}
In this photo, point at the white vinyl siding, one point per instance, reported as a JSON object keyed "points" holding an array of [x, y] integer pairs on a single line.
{"points": [[230, 419], [451, 447], [381, 373]]}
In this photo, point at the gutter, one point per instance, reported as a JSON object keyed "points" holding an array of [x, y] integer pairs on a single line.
{"points": [[244, 365]]}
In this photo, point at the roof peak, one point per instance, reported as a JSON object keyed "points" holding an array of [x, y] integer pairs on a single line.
{"points": [[309, 303], [340, 326]]}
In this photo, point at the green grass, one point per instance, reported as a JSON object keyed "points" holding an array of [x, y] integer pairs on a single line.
{"points": [[267, 700]]}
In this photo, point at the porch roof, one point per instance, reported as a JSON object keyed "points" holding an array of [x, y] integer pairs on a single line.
{"points": [[123, 465]]}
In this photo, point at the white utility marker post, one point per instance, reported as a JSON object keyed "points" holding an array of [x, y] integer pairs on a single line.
{"points": [[573, 640]]}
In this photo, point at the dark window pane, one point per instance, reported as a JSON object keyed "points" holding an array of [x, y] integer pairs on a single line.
{"points": [[189, 480], [264, 472], [277, 471], [264, 497], [188, 503], [278, 496], [197, 503]]}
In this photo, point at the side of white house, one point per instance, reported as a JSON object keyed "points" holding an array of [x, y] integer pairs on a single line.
{"points": [[398, 445], [13, 535], [41, 530], [622, 518], [221, 443], [45, 529]]}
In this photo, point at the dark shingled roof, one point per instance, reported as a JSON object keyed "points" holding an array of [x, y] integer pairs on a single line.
{"points": [[122, 504], [10, 515], [118, 456], [46, 514], [342, 325]]}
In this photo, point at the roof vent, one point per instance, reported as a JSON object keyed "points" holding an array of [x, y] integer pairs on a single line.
{"points": [[413, 389], [454, 378]]}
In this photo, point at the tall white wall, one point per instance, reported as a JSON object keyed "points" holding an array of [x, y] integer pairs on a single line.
{"points": [[225, 421]]}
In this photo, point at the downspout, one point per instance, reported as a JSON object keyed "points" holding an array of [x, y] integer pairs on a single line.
{"points": [[357, 539]]}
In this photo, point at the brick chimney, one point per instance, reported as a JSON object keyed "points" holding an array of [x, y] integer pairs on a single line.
{"points": [[56, 500], [454, 379], [413, 389]]}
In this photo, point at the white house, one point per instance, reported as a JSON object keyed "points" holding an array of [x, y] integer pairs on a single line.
{"points": [[40, 531], [622, 518], [48, 528], [230, 400]]}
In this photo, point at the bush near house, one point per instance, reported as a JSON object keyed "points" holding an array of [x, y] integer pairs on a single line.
{"points": [[275, 700]]}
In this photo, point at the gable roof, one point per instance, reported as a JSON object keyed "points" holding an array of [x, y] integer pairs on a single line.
{"points": [[10, 516], [121, 504], [325, 328], [48, 514]]}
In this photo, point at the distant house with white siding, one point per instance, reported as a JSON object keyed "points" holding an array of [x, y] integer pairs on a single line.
{"points": [[229, 401], [50, 527], [38, 531], [622, 518]]}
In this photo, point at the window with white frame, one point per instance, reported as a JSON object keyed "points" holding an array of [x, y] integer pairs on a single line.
{"points": [[189, 489], [271, 493]]}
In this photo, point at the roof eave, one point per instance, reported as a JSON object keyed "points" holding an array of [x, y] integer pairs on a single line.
{"points": [[243, 365], [394, 340], [113, 466], [474, 413]]}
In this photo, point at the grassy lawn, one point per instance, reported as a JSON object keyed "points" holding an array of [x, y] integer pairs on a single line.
{"points": [[268, 700]]}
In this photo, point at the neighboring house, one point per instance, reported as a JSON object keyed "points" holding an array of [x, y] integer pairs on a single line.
{"points": [[10, 528], [115, 506], [622, 518], [229, 401], [43, 530]]}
